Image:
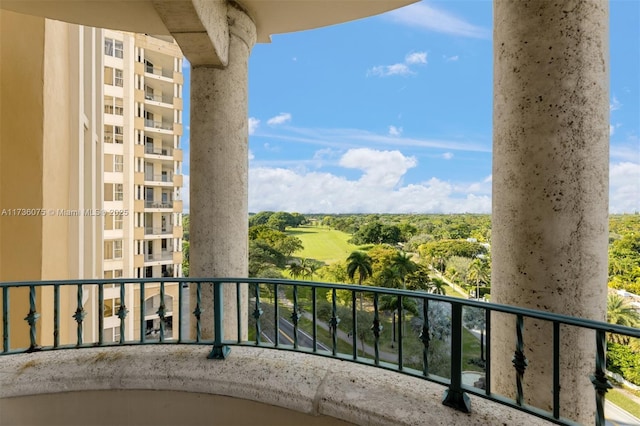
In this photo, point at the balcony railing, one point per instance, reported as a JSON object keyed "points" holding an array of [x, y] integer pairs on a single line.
{"points": [[158, 124], [148, 230], [281, 306], [159, 178], [158, 98], [154, 151], [155, 257], [162, 72], [158, 205]]}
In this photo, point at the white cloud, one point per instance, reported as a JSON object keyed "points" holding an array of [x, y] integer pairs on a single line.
{"points": [[281, 118], [615, 104], [612, 129], [427, 17], [387, 70], [353, 138], [378, 189], [416, 58], [395, 131], [251, 155], [624, 187], [450, 58], [253, 125], [447, 155]]}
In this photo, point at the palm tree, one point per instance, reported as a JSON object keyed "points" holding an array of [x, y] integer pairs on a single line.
{"points": [[621, 312], [478, 273], [437, 286], [296, 270], [403, 264], [359, 262]]}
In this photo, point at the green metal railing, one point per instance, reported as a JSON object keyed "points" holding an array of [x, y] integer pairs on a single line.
{"points": [[90, 302]]}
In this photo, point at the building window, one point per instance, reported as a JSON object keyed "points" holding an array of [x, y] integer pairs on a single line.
{"points": [[111, 307], [118, 221], [117, 249], [113, 77], [113, 249], [113, 105], [113, 48], [113, 134], [118, 192], [118, 163]]}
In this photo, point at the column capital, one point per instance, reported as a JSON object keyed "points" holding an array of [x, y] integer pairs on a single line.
{"points": [[241, 24]]}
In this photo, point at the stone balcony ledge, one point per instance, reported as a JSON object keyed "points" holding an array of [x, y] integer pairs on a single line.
{"points": [[308, 389]]}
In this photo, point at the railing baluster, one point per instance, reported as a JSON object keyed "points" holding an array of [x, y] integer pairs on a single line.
{"points": [[354, 328], [79, 315], [5, 319], [143, 323], [180, 312], [425, 338], [599, 379], [257, 313], [56, 316], [519, 360], [100, 314], [276, 314], [556, 370], [487, 352], [122, 313], [219, 350], [400, 322], [454, 396], [162, 310], [197, 312], [239, 312], [314, 319], [376, 328], [295, 317], [333, 323]]}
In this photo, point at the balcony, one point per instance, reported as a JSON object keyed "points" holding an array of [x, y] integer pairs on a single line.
{"points": [[150, 179], [158, 71], [159, 257], [280, 352], [160, 98], [150, 204], [165, 152], [166, 230], [161, 125]]}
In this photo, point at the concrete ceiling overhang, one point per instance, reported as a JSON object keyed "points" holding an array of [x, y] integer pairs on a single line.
{"points": [[200, 26]]}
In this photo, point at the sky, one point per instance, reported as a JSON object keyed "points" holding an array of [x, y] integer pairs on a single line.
{"points": [[393, 114]]}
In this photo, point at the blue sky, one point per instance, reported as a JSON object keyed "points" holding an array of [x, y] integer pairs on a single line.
{"points": [[392, 114]]}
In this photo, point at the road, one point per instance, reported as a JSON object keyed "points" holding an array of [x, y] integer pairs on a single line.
{"points": [[285, 336], [616, 416]]}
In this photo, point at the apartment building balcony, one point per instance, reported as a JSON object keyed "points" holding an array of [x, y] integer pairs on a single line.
{"points": [[158, 125], [161, 73], [157, 231], [281, 359], [160, 153], [159, 205], [160, 99], [163, 179], [165, 255]]}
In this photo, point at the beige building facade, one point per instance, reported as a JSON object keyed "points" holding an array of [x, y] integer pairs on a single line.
{"points": [[92, 190]]}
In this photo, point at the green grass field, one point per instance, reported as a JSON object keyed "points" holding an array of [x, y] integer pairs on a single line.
{"points": [[323, 244]]}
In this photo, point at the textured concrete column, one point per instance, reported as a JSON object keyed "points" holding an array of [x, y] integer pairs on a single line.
{"points": [[550, 190], [219, 172]]}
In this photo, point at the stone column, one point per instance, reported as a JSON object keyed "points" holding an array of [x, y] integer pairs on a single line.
{"points": [[550, 190], [219, 172]]}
